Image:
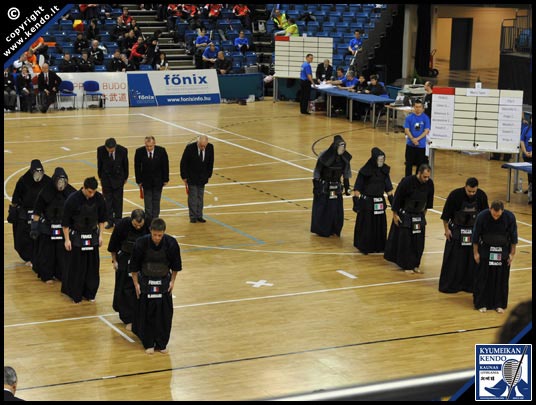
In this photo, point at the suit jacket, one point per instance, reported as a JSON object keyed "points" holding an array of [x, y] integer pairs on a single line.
{"points": [[195, 170], [113, 173], [321, 70], [8, 396], [151, 173], [53, 82]]}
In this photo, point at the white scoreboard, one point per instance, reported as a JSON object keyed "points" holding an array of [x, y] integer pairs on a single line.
{"points": [[484, 120], [290, 54]]}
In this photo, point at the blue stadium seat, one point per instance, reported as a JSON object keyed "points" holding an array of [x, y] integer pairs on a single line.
{"points": [[227, 46], [328, 26], [313, 27], [251, 58], [54, 68], [100, 68], [146, 67]]}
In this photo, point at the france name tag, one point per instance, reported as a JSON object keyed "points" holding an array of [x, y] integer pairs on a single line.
{"points": [[30, 214], [379, 207], [155, 289], [86, 241], [55, 232], [416, 225], [466, 237], [495, 256]]}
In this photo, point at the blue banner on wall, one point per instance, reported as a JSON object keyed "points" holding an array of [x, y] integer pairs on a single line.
{"points": [[148, 89]]}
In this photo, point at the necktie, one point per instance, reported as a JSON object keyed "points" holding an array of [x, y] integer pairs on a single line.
{"points": [[112, 155], [46, 78], [150, 155]]}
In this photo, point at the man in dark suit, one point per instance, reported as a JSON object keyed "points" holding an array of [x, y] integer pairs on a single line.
{"points": [[112, 168], [151, 165], [197, 163], [48, 84], [10, 384], [324, 71]]}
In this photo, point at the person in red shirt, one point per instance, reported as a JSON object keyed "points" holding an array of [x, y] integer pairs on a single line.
{"points": [[242, 11]]}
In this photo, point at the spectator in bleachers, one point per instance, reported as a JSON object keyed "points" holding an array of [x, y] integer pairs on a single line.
{"points": [[152, 54], [193, 14], [89, 11], [223, 64], [324, 71], [129, 66], [34, 61], [39, 47], [280, 22], [26, 91], [93, 31], [119, 30], [137, 30], [306, 16], [85, 64], [161, 12], [162, 63], [95, 53], [127, 42], [243, 12], [116, 64], [292, 29], [173, 12], [201, 43], [22, 62], [212, 12], [137, 55], [10, 94], [210, 56], [48, 83], [81, 43], [125, 17], [355, 45], [67, 63], [241, 43]]}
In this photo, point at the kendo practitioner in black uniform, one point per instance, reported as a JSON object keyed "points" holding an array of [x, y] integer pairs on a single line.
{"points": [[373, 180], [328, 212], [120, 246], [52, 259], [405, 243], [154, 264], [22, 207], [494, 248], [112, 168], [459, 214], [84, 214]]}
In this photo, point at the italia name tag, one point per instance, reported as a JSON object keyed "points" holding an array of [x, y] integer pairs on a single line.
{"points": [[86, 241], [332, 192], [379, 207], [466, 237], [55, 232], [495, 256], [30, 214], [416, 225]]}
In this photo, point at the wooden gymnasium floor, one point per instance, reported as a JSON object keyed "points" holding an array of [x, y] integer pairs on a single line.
{"points": [[325, 315]]}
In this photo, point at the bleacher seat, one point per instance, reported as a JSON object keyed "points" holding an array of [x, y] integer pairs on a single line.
{"points": [[251, 58], [54, 68], [100, 68], [227, 46], [326, 7], [348, 16], [146, 67], [313, 27], [320, 15], [328, 26]]}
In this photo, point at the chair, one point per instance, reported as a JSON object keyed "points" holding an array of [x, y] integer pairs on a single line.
{"points": [[92, 89], [146, 67], [66, 89], [251, 58]]}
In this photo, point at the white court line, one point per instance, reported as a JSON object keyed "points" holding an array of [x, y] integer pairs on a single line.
{"points": [[65, 148], [346, 274], [111, 325], [231, 301], [232, 144], [133, 203], [524, 240]]}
